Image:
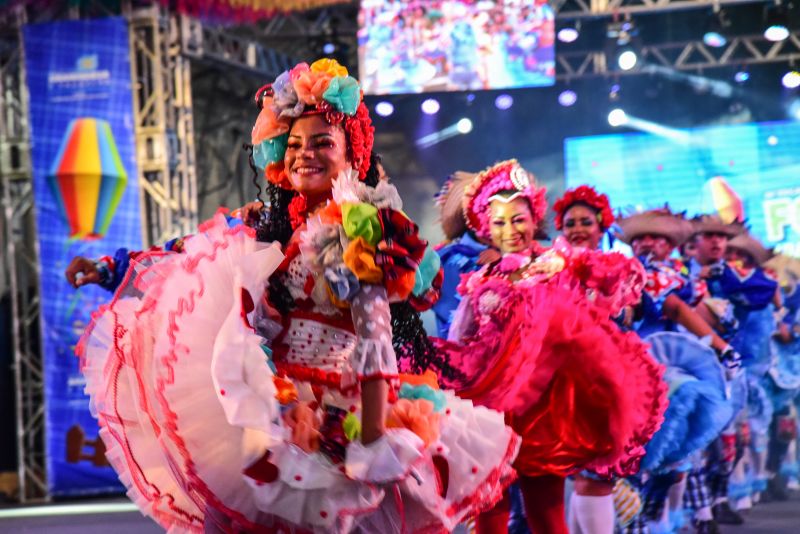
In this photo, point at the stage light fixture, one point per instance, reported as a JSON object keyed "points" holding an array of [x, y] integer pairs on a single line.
{"points": [[617, 117], [627, 59], [794, 109], [791, 80], [569, 34], [567, 98], [714, 35], [384, 108], [504, 101], [430, 106], [776, 23], [464, 126], [328, 48], [741, 76]]}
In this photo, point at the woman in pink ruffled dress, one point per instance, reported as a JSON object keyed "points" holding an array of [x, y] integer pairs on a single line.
{"points": [[251, 384], [533, 337]]}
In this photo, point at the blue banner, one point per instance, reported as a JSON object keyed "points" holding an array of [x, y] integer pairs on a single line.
{"points": [[745, 171], [87, 204]]}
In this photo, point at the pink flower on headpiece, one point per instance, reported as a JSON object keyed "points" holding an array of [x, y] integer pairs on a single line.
{"points": [[310, 87], [297, 70], [504, 176], [267, 124]]}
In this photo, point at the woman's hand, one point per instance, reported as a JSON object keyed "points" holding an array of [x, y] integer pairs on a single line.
{"points": [[251, 212], [82, 271]]}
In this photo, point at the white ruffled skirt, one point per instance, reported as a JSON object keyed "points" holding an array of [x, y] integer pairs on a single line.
{"points": [[187, 403]]}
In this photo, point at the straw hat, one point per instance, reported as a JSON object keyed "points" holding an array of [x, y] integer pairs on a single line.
{"points": [[715, 224], [752, 246], [449, 200], [786, 267], [656, 222]]}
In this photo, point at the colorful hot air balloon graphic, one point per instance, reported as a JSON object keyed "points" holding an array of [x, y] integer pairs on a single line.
{"points": [[87, 178], [719, 197]]}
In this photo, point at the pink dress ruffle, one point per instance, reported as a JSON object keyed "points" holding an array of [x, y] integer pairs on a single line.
{"points": [[187, 404]]}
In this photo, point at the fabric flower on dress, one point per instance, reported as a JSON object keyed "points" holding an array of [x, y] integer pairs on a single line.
{"points": [[304, 423], [424, 392], [344, 94], [399, 252], [323, 244], [343, 283], [418, 416], [361, 221], [360, 259], [385, 196], [426, 273]]}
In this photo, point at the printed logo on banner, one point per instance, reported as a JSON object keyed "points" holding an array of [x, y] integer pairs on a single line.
{"points": [[87, 204]]}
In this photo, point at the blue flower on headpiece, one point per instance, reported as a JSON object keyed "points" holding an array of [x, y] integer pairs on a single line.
{"points": [[270, 151], [343, 283], [425, 392], [344, 94], [427, 271], [285, 101]]}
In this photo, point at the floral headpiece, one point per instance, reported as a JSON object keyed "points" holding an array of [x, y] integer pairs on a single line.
{"points": [[323, 88], [588, 195], [504, 176]]}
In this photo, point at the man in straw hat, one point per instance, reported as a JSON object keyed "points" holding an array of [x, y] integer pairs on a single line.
{"points": [[653, 236], [731, 297]]}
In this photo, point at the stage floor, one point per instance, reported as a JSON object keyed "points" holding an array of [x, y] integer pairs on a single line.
{"points": [[772, 518]]}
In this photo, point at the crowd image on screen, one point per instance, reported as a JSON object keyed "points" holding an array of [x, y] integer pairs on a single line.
{"points": [[455, 45]]}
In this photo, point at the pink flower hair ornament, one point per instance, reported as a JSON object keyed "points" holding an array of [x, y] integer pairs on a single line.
{"points": [[488, 184]]}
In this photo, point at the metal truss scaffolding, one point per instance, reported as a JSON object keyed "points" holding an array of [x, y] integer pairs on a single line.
{"points": [[162, 100], [20, 257]]}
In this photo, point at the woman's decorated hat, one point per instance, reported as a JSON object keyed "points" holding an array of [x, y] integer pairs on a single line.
{"points": [[506, 176], [323, 88]]}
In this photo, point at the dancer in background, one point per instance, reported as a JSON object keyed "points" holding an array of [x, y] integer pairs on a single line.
{"points": [[698, 410], [532, 342], [246, 385]]}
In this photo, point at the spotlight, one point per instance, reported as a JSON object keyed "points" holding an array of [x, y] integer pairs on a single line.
{"points": [[794, 109], [430, 106], [776, 26], [627, 59], [567, 98], [503, 101], [741, 76], [772, 140], [470, 98], [791, 80], [617, 117], [715, 30], [568, 34], [384, 108], [464, 126], [328, 48]]}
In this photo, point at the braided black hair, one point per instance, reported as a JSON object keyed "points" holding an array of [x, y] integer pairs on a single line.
{"points": [[409, 339]]}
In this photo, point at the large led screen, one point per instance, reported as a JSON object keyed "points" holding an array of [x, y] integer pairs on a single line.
{"points": [[752, 168], [455, 45]]}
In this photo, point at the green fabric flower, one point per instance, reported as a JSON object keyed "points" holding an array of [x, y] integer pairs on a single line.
{"points": [[344, 94], [270, 151], [352, 427], [427, 271], [361, 220]]}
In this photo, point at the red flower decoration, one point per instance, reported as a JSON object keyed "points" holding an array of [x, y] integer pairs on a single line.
{"points": [[361, 137], [400, 251], [298, 211], [584, 194]]}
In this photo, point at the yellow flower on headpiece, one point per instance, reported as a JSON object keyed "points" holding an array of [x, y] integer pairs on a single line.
{"points": [[330, 67]]}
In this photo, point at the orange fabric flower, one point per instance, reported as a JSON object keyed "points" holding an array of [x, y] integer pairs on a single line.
{"points": [[428, 378], [331, 213], [360, 258], [329, 66], [401, 286], [417, 416], [286, 391], [267, 124], [310, 86], [276, 174], [304, 424]]}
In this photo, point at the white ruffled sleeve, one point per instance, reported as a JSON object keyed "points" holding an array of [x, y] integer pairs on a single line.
{"points": [[373, 356]]}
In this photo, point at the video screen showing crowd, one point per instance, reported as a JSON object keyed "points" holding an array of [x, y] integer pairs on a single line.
{"points": [[271, 370]]}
